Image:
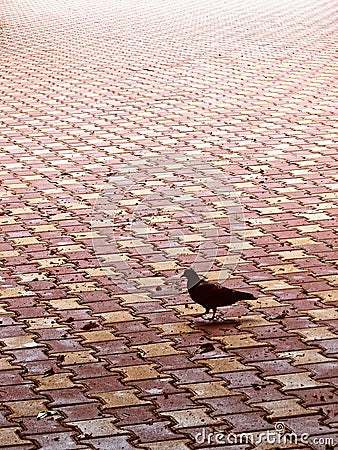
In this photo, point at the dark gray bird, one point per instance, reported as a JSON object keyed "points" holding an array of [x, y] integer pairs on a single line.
{"points": [[212, 295]]}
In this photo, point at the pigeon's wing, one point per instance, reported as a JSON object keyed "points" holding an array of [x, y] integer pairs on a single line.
{"points": [[223, 296], [210, 294]]}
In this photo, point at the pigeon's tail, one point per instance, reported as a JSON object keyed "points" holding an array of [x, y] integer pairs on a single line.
{"points": [[239, 295]]}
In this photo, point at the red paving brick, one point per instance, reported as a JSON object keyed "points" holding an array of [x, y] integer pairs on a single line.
{"points": [[138, 138]]}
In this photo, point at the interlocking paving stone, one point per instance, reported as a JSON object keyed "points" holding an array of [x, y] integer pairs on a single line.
{"points": [[97, 427], [115, 399], [170, 107], [284, 408]]}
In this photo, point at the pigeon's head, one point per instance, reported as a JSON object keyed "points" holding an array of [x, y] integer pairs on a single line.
{"points": [[188, 273], [192, 277]]}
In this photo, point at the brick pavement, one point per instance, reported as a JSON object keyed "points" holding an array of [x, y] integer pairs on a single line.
{"points": [[140, 137]]}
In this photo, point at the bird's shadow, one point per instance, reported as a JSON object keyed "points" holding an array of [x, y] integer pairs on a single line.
{"points": [[202, 323]]}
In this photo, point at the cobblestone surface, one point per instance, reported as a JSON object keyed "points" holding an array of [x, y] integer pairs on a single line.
{"points": [[224, 110]]}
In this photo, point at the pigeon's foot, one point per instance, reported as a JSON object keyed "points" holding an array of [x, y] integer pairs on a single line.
{"points": [[202, 316], [220, 317], [212, 318], [215, 318]]}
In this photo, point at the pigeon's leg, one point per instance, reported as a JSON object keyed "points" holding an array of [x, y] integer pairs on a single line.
{"points": [[206, 312], [214, 313]]}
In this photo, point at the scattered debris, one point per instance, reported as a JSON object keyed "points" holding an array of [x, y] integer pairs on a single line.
{"points": [[49, 372], [49, 413], [90, 325], [205, 348]]}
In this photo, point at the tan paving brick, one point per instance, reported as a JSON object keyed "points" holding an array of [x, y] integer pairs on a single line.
{"points": [[25, 277], [9, 253], [301, 380], [168, 329], [261, 221], [3, 309], [187, 418], [71, 248], [117, 316], [277, 200], [50, 262], [43, 322], [117, 399], [291, 254], [229, 259], [19, 211], [23, 341], [42, 228], [98, 272], [97, 427], [316, 333], [210, 389], [140, 372], [301, 241], [14, 292], [285, 268], [98, 336], [135, 298], [217, 275], [159, 349], [265, 302], [241, 340], [9, 437], [134, 243], [185, 310], [310, 228], [56, 381], [6, 364], [274, 285], [7, 220], [81, 287], [81, 357], [26, 241], [284, 408], [65, 304], [328, 296], [149, 281], [177, 252], [26, 408], [300, 357], [323, 314], [227, 364], [332, 279], [254, 320], [165, 265], [317, 216], [270, 210]]}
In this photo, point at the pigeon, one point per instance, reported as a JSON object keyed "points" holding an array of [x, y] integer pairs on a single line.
{"points": [[212, 295]]}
